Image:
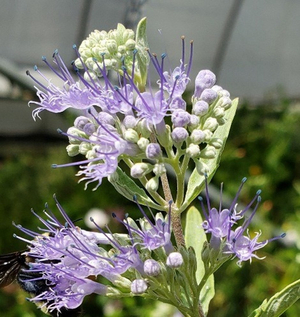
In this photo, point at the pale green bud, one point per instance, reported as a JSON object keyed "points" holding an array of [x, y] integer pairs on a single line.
{"points": [[72, 149], [216, 143], [122, 50], [131, 136], [130, 45], [219, 112], [84, 147], [210, 124], [208, 135], [139, 170], [152, 184], [77, 133], [112, 47], [193, 150], [201, 167], [159, 169], [142, 143], [209, 152], [197, 136]]}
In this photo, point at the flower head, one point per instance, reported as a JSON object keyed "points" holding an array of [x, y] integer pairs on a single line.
{"points": [[226, 236]]}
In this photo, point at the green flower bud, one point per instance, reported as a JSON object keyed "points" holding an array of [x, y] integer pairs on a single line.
{"points": [[201, 167], [159, 169], [209, 152], [139, 170], [210, 124], [152, 184], [131, 136], [216, 143], [72, 149], [142, 143]]}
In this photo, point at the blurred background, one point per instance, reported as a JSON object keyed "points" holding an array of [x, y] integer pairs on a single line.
{"points": [[252, 46]]}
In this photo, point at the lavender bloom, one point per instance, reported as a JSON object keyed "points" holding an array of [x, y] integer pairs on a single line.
{"points": [[220, 224], [151, 235], [68, 259]]}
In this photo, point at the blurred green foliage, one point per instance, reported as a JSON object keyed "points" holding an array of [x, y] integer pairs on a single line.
{"points": [[263, 145]]}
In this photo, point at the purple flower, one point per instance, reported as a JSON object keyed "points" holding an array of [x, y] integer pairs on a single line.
{"points": [[76, 95], [67, 257], [220, 224]]}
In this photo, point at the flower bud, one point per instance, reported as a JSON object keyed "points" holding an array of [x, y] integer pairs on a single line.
{"points": [[194, 121], [138, 286], [80, 122], [216, 143], [139, 170], [143, 143], [205, 79], [180, 118], [209, 152], [209, 95], [201, 167], [84, 147], [159, 169], [131, 135], [219, 112], [179, 134], [174, 260], [129, 122], [193, 150], [197, 136], [200, 108], [153, 151], [130, 45], [72, 149], [210, 124], [152, 184], [151, 267]]}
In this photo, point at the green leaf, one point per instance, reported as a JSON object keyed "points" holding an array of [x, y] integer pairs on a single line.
{"points": [[279, 303], [128, 188], [196, 181], [195, 237], [142, 46]]}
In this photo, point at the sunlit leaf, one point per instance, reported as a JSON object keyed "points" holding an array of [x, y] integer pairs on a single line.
{"points": [[195, 237], [196, 181], [280, 302]]}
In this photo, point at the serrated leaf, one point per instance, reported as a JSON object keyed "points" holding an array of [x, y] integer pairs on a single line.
{"points": [[196, 181], [128, 188], [142, 45], [195, 237], [279, 303]]}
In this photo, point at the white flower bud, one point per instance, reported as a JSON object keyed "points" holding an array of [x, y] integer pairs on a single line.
{"points": [[138, 286], [159, 169], [193, 150], [131, 135], [197, 136], [201, 167], [143, 143], [209, 152], [151, 267], [84, 147], [139, 170], [210, 124], [174, 260], [152, 184], [216, 143]]}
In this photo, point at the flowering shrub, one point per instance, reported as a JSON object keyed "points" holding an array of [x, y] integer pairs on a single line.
{"points": [[151, 130]]}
